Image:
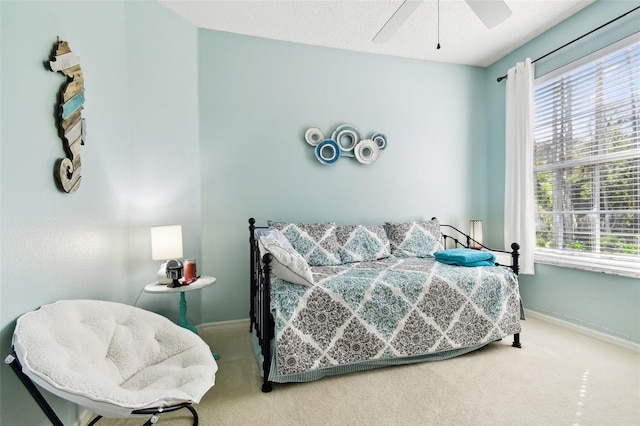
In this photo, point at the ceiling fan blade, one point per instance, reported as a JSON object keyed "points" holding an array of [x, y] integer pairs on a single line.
{"points": [[490, 12], [396, 20]]}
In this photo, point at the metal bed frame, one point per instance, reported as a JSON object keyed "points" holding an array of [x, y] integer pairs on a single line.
{"points": [[260, 289]]}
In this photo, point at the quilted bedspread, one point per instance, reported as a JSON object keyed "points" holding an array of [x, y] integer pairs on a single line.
{"points": [[391, 309]]}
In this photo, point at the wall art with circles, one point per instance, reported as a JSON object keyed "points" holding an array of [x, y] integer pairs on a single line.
{"points": [[345, 141]]}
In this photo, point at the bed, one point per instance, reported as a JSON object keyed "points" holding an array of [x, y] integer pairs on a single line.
{"points": [[345, 298]]}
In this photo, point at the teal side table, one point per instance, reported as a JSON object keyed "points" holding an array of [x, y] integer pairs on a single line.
{"points": [[198, 284]]}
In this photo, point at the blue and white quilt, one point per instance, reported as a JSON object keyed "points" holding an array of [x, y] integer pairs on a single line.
{"points": [[389, 311]]}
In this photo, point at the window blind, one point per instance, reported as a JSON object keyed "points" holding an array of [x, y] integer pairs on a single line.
{"points": [[587, 163]]}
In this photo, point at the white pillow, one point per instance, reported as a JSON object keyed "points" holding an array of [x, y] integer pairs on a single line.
{"points": [[287, 263], [273, 233]]}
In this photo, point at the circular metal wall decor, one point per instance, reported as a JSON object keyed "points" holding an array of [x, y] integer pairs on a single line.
{"points": [[327, 151], [347, 137], [366, 151], [314, 136], [346, 141], [380, 140]]}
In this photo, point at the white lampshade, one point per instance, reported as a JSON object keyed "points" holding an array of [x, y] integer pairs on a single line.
{"points": [[475, 232], [166, 242]]}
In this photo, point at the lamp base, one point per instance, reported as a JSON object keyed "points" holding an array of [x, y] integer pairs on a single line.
{"points": [[162, 275]]}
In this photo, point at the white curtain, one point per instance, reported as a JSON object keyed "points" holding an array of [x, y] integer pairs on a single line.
{"points": [[519, 204]]}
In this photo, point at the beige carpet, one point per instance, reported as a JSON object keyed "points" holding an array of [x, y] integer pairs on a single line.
{"points": [[559, 377]]}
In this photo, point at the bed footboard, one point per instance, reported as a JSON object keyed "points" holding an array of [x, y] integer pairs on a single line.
{"points": [[457, 238], [259, 312]]}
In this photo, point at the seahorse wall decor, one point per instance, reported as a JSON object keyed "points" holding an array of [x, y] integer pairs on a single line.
{"points": [[71, 126]]}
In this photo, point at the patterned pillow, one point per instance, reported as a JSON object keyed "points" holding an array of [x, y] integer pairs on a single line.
{"points": [[286, 263], [362, 243], [316, 242], [414, 239]]}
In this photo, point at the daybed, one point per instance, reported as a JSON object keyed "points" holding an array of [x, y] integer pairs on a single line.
{"points": [[330, 299]]}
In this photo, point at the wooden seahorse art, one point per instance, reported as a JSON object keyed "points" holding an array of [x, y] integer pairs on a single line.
{"points": [[67, 171]]}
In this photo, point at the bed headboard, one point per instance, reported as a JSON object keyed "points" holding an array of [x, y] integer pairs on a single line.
{"points": [[452, 237]]}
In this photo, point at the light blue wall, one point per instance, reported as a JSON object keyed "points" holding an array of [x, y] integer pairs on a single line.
{"points": [[206, 129], [164, 180], [139, 163], [257, 99], [604, 303]]}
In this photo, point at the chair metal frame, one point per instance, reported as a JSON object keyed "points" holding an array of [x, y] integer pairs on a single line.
{"points": [[154, 412]]}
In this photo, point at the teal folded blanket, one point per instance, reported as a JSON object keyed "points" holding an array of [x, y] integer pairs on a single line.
{"points": [[465, 257]]}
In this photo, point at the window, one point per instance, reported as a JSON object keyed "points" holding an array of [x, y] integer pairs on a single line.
{"points": [[587, 162]]}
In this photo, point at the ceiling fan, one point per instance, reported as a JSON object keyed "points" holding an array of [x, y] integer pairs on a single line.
{"points": [[490, 12]]}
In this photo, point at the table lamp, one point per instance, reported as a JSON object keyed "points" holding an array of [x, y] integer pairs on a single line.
{"points": [[166, 245]]}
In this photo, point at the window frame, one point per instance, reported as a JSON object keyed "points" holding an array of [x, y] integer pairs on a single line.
{"points": [[628, 266]]}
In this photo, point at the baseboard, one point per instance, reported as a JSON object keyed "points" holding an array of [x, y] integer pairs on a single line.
{"points": [[225, 325], [584, 330]]}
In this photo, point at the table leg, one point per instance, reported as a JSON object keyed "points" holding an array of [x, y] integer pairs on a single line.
{"points": [[183, 319], [183, 314]]}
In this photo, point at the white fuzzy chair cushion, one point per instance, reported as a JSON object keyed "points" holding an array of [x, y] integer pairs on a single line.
{"points": [[112, 358]]}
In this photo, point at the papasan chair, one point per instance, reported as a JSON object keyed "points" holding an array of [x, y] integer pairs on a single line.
{"points": [[113, 359]]}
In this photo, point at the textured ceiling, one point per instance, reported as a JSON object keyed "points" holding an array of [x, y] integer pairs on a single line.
{"points": [[351, 25]]}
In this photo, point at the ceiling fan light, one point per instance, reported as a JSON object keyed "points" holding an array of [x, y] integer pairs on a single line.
{"points": [[490, 12]]}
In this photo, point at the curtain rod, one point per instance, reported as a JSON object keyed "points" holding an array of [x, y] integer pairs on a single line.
{"points": [[499, 79]]}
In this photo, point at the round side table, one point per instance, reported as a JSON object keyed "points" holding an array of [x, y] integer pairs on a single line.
{"points": [[198, 284]]}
